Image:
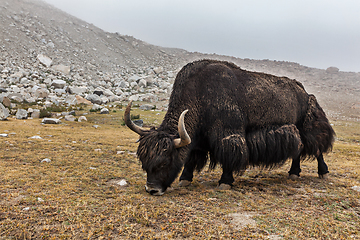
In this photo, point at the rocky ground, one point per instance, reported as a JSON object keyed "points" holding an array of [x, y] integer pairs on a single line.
{"points": [[49, 58]]}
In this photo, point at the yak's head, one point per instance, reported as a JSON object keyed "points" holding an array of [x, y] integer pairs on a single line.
{"points": [[159, 154]]}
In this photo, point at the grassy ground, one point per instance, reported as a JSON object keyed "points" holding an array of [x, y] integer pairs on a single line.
{"points": [[75, 196]]}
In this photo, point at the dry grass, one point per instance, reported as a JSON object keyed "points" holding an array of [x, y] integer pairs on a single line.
{"points": [[73, 196]]}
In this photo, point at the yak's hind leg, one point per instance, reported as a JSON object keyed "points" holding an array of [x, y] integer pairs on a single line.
{"points": [[295, 169], [196, 160], [322, 167]]}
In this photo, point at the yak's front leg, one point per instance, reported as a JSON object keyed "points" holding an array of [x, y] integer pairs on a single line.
{"points": [[233, 157], [197, 159]]}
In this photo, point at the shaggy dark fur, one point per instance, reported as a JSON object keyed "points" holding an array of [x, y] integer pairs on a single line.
{"points": [[239, 119]]}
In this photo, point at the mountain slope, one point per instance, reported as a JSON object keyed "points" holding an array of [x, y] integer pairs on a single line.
{"points": [[31, 27]]}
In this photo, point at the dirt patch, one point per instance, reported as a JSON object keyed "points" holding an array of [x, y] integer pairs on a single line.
{"points": [[242, 220]]}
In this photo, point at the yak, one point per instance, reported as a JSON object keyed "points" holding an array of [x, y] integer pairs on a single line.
{"points": [[236, 118]]}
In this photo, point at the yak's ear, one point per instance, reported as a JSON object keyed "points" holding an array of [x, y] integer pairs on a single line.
{"points": [[184, 136]]}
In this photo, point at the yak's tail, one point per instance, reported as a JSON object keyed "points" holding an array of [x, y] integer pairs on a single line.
{"points": [[316, 133]]}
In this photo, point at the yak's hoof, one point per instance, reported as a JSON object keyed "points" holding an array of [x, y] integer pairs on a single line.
{"points": [[293, 177], [324, 176], [184, 183], [224, 186]]}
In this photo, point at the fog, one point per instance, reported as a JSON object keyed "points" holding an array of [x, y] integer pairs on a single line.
{"points": [[316, 33]]}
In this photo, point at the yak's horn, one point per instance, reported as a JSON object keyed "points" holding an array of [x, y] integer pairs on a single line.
{"points": [[184, 136], [130, 124]]}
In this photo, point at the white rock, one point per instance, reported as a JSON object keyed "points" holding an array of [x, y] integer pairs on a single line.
{"points": [[70, 118], [134, 98], [4, 135], [108, 93], [21, 114], [46, 61], [94, 98], [158, 70], [4, 112], [82, 118], [58, 84], [47, 160], [35, 137], [133, 84], [356, 188], [104, 111], [51, 121], [122, 182]]}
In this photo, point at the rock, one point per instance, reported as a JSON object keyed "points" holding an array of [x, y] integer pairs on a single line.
{"points": [[62, 68], [108, 93], [4, 135], [134, 78], [41, 93], [158, 70], [51, 121], [4, 112], [104, 99], [104, 111], [36, 137], [81, 100], [58, 84], [96, 107], [21, 114], [139, 122], [17, 75], [124, 84], [356, 188], [146, 107], [16, 97], [35, 113], [94, 98], [142, 83], [46, 61], [70, 118], [6, 101], [82, 118], [98, 91], [133, 84], [78, 90], [332, 70], [46, 160], [134, 98]]}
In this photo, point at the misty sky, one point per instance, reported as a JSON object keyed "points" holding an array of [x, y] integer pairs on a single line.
{"points": [[314, 33]]}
